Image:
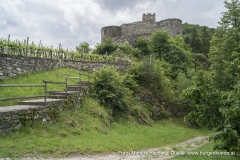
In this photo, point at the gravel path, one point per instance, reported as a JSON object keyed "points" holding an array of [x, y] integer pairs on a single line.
{"points": [[149, 154]]}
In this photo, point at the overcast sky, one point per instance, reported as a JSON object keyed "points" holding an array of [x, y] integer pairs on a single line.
{"points": [[71, 22]]}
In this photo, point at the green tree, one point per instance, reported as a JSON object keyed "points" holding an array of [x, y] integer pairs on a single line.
{"points": [[230, 20], [83, 48], [217, 106], [171, 50], [106, 47], [160, 42], [199, 59], [196, 42], [187, 39], [179, 41], [178, 58], [230, 110], [205, 41], [207, 101], [225, 46], [143, 45], [216, 110]]}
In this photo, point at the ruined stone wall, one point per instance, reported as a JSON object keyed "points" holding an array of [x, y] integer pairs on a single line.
{"points": [[131, 31], [130, 38], [12, 65], [173, 26], [111, 31], [140, 28]]}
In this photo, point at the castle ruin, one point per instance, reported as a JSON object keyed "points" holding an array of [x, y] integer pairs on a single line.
{"points": [[132, 31]]}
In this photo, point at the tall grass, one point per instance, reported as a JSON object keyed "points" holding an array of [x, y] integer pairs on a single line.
{"points": [[57, 75]]}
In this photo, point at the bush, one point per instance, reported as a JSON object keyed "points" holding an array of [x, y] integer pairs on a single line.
{"points": [[106, 47], [109, 89], [152, 77]]}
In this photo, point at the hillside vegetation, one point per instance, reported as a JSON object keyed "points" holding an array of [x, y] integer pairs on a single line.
{"points": [[195, 77], [91, 130]]}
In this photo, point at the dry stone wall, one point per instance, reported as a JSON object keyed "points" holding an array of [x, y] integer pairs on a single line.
{"points": [[12, 118], [12, 65]]}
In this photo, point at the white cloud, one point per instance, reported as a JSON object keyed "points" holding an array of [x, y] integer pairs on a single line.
{"points": [[71, 22]]}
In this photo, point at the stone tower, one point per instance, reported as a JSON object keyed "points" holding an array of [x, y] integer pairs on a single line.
{"points": [[148, 17]]}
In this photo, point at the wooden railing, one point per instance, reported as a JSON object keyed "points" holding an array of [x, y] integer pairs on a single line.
{"points": [[22, 85], [88, 76], [43, 85]]}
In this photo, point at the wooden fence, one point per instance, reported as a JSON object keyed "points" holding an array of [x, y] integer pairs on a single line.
{"points": [[46, 91]]}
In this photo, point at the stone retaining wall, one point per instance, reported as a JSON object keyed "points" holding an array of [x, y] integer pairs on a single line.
{"points": [[15, 117], [12, 65]]}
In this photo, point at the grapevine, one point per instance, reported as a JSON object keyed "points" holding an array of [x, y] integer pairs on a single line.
{"points": [[32, 50]]}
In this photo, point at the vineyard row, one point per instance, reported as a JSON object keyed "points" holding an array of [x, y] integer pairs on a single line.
{"points": [[32, 50]]}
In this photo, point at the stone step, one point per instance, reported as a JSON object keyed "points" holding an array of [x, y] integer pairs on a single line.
{"points": [[40, 102], [74, 88], [18, 108], [63, 92], [61, 96], [85, 83], [57, 96]]}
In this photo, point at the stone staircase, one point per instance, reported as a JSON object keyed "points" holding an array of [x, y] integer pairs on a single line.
{"points": [[11, 116]]}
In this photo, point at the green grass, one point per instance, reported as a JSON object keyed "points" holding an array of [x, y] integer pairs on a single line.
{"points": [[57, 75], [88, 131], [205, 148]]}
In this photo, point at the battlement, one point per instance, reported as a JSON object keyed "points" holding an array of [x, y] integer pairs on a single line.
{"points": [[148, 17]]}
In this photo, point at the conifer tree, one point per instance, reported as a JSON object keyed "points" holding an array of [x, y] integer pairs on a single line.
{"points": [[196, 42], [205, 41]]}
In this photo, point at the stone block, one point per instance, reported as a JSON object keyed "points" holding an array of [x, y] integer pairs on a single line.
{"points": [[4, 126], [14, 116]]}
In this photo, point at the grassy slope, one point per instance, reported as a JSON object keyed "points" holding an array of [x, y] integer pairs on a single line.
{"points": [[92, 133], [57, 75], [87, 130]]}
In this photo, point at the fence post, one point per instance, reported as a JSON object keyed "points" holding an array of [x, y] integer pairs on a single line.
{"points": [[150, 59], [66, 54], [66, 84], [39, 44], [51, 52], [38, 49], [32, 52], [27, 46], [88, 76], [59, 51], [45, 92], [8, 43]]}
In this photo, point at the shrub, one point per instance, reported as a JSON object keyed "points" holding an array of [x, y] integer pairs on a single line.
{"points": [[109, 89]]}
